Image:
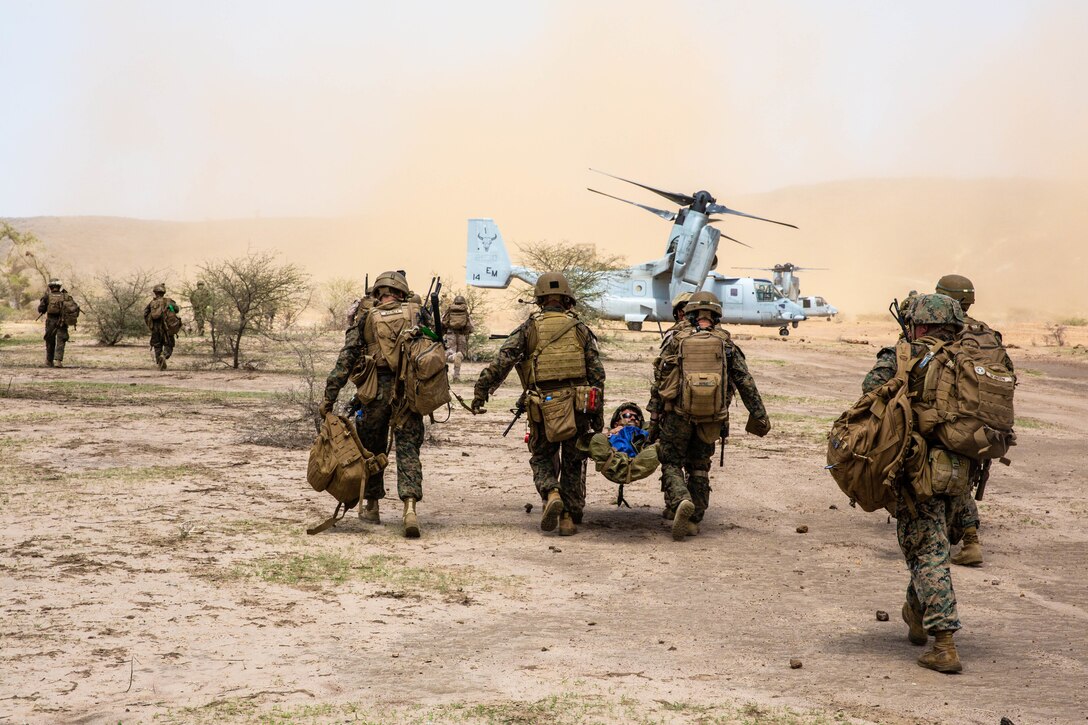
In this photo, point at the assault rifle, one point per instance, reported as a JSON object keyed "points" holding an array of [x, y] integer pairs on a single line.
{"points": [[432, 294], [518, 411], [898, 315]]}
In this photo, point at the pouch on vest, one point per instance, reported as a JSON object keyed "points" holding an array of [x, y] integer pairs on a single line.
{"points": [[944, 473], [365, 379], [557, 412], [588, 399]]}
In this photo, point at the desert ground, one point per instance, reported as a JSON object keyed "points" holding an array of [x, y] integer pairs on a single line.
{"points": [[155, 567]]}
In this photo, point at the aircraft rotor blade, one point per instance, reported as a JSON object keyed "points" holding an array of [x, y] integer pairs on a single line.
{"points": [[681, 199], [726, 236], [666, 215], [758, 269], [719, 209]]}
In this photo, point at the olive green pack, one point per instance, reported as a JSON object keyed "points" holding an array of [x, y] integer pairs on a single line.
{"points": [[868, 444], [967, 398], [340, 465]]}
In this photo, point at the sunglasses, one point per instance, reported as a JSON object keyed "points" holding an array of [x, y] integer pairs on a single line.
{"points": [[630, 415]]}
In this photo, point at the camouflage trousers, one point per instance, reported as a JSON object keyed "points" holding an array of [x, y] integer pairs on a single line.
{"points": [[967, 516], [925, 537], [198, 320], [560, 466], [456, 350], [162, 342], [373, 423], [685, 464], [56, 336]]}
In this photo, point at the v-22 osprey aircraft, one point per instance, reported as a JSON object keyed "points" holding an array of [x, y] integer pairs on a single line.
{"points": [[644, 292]]}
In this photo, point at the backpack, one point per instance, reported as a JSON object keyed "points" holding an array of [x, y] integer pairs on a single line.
{"points": [[424, 374], [457, 318], [967, 397], [340, 465], [702, 361], [171, 319], [55, 304], [158, 308], [71, 311], [868, 443]]}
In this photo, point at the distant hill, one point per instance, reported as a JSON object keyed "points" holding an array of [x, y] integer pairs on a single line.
{"points": [[1019, 240]]}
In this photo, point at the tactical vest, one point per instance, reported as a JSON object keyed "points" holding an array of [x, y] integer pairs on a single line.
{"points": [[558, 354], [457, 317], [703, 363], [382, 328]]}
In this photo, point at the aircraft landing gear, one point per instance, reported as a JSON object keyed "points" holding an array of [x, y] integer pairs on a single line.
{"points": [[634, 326], [784, 331], [795, 323]]}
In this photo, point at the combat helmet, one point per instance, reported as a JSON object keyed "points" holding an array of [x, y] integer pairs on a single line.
{"points": [[626, 406], [678, 304], [553, 283], [703, 301], [934, 309], [159, 289], [958, 288], [54, 282], [459, 300], [393, 281]]}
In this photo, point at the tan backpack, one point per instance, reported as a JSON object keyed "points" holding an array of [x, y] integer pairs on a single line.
{"points": [[703, 365], [967, 397], [170, 318], [424, 375], [868, 443], [158, 308], [457, 318], [340, 465], [71, 311], [54, 305]]}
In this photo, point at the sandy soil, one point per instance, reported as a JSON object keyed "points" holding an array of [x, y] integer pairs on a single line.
{"points": [[155, 566]]}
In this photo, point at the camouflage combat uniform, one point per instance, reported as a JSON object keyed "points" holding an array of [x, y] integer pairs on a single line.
{"points": [[555, 466], [927, 529], [685, 457], [373, 420], [162, 342], [457, 337], [201, 300], [56, 331]]}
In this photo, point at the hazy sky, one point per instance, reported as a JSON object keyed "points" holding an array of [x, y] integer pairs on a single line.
{"points": [[191, 110]]}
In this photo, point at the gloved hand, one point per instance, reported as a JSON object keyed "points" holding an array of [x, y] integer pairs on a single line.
{"points": [[478, 406], [758, 426], [325, 408]]}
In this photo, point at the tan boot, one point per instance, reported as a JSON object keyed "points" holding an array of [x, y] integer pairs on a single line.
{"points": [[566, 525], [369, 513], [971, 553], [553, 507], [943, 657], [916, 632], [692, 529], [411, 522], [58, 363], [680, 522]]}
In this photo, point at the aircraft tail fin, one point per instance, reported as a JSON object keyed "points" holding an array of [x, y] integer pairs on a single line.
{"points": [[487, 263]]}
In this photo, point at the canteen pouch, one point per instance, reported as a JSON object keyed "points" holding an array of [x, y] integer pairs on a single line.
{"points": [[943, 473], [365, 379], [557, 411]]}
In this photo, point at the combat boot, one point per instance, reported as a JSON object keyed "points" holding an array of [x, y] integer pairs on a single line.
{"points": [[411, 522], [916, 633], [369, 513], [692, 529], [553, 507], [566, 525], [971, 553], [943, 657], [684, 512], [48, 363], [160, 361], [58, 363]]}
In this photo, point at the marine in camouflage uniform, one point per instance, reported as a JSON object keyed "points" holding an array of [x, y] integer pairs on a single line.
{"points": [[56, 325], [374, 419], [457, 334], [201, 301], [926, 529], [162, 340], [558, 468], [684, 453]]}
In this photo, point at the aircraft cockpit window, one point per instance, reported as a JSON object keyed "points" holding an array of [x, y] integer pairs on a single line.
{"points": [[733, 291], [806, 303], [766, 293], [820, 301]]}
